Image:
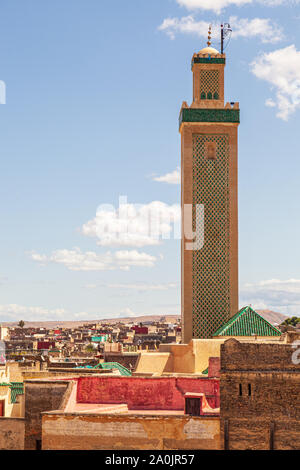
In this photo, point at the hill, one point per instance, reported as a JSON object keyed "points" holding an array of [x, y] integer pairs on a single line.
{"points": [[274, 318], [269, 315]]}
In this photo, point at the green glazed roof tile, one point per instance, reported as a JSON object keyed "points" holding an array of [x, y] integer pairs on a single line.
{"points": [[247, 322]]}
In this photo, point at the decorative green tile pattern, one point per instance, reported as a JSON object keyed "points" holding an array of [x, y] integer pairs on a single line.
{"points": [[209, 81], [247, 323], [211, 283], [207, 60], [209, 115], [16, 388]]}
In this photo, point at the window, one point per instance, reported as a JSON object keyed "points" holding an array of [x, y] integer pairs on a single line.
{"points": [[249, 390], [209, 95], [216, 96], [203, 95], [240, 390], [192, 406]]}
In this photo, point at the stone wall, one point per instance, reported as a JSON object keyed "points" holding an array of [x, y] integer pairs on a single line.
{"points": [[12, 433], [128, 432], [259, 392], [41, 396]]}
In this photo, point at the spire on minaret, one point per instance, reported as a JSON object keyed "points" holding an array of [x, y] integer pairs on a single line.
{"points": [[209, 36]]}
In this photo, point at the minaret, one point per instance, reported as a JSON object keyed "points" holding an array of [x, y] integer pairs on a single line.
{"points": [[209, 135]]}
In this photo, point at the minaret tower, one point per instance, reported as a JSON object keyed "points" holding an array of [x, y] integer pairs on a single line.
{"points": [[209, 252]]}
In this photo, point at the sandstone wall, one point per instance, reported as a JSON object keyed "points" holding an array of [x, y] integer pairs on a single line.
{"points": [[259, 393], [12, 433], [129, 432], [40, 396]]}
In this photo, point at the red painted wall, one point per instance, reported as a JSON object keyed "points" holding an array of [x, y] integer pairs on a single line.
{"points": [[46, 344], [214, 367], [140, 330], [145, 393]]}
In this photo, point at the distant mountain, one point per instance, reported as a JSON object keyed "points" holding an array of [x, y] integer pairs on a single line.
{"points": [[74, 324], [269, 315], [272, 317]]}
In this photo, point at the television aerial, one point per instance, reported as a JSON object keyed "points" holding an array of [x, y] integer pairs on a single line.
{"points": [[226, 32]]}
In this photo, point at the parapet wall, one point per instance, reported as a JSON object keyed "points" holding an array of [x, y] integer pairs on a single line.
{"points": [[12, 433], [41, 396], [259, 388], [161, 393], [239, 356], [129, 432]]}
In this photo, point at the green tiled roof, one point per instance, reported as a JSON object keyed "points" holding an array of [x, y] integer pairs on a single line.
{"points": [[109, 365], [16, 388], [247, 323], [115, 365]]}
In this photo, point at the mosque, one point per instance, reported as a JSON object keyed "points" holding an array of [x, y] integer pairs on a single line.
{"points": [[209, 169], [181, 396], [209, 246], [230, 383]]}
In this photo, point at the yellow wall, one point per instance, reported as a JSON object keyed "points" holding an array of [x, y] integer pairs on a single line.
{"points": [[154, 362], [191, 358], [128, 432]]}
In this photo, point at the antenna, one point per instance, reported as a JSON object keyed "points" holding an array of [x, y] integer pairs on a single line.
{"points": [[225, 33]]}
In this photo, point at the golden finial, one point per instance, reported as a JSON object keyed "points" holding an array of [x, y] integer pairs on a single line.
{"points": [[209, 36]]}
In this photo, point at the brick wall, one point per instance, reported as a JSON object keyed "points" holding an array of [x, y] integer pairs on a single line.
{"points": [[40, 396], [259, 392]]}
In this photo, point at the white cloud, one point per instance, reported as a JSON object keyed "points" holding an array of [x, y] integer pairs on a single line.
{"points": [[214, 5], [281, 69], [270, 103], [134, 224], [218, 5], [13, 312], [184, 25], [263, 28], [143, 287], [273, 294], [127, 312], [76, 260], [42, 259], [171, 178]]}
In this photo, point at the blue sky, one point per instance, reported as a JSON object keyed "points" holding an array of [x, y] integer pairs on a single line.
{"points": [[93, 93]]}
